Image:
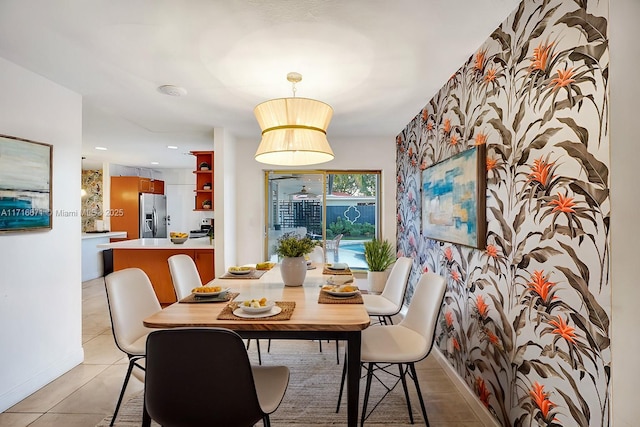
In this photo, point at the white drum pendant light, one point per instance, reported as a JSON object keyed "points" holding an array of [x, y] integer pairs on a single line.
{"points": [[294, 130]]}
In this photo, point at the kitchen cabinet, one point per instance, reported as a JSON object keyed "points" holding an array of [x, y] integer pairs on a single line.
{"points": [[124, 212], [204, 180]]}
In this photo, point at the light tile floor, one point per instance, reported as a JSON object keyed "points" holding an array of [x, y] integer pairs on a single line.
{"points": [[86, 394]]}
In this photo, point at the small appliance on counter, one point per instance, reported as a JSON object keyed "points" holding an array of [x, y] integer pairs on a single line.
{"points": [[205, 227]]}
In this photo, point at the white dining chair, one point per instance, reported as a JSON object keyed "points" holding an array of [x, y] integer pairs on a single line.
{"points": [[131, 299], [403, 344], [390, 301], [184, 275], [317, 255]]}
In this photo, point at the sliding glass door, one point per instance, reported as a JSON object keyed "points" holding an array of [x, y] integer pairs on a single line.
{"points": [[338, 208]]}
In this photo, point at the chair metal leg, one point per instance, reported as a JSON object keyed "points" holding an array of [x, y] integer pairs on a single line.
{"points": [[266, 422], [406, 391], [366, 393], [337, 352], [146, 418], [132, 364], [415, 381], [344, 377]]}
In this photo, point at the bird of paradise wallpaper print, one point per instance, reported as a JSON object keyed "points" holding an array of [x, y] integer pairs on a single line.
{"points": [[526, 321]]}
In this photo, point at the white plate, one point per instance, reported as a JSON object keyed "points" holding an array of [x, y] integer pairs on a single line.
{"points": [[342, 294], [255, 310], [240, 313], [240, 272], [337, 266], [211, 294]]}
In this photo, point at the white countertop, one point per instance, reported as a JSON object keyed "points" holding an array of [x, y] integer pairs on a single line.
{"points": [[198, 243], [108, 234]]}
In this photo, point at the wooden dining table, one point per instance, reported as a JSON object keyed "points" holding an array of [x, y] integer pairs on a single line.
{"points": [[310, 320]]}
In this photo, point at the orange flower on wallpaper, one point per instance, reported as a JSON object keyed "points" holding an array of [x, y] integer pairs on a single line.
{"points": [[447, 125], [563, 79], [425, 115], [562, 204], [430, 126], [482, 307], [563, 329], [541, 399], [481, 139], [540, 57], [453, 140], [456, 344], [491, 163], [540, 285], [491, 75], [448, 317], [492, 251], [541, 171], [448, 254], [455, 275], [480, 56], [482, 391], [410, 151]]}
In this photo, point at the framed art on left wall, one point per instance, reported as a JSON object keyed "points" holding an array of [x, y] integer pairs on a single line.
{"points": [[26, 199]]}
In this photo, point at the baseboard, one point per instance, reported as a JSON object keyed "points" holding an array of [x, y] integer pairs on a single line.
{"points": [[40, 379], [469, 396]]}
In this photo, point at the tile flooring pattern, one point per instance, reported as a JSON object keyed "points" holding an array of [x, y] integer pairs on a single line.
{"points": [[86, 394]]}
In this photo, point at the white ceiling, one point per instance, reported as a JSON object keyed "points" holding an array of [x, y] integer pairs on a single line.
{"points": [[377, 62]]}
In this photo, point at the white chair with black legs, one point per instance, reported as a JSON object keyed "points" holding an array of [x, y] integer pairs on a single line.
{"points": [[184, 275], [404, 344], [131, 299], [390, 301]]}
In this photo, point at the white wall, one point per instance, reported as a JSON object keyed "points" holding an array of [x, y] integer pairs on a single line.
{"points": [[625, 205], [226, 190], [370, 153], [40, 272]]}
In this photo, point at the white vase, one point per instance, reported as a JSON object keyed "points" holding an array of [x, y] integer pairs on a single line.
{"points": [[293, 271], [377, 280]]}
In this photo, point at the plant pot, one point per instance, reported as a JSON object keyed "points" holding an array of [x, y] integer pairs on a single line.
{"points": [[293, 271], [377, 280]]}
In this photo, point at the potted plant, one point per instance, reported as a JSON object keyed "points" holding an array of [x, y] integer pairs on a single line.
{"points": [[379, 255], [292, 248], [206, 204], [204, 166]]}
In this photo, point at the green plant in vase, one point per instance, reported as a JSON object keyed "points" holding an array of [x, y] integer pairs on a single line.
{"points": [[379, 255], [292, 249]]}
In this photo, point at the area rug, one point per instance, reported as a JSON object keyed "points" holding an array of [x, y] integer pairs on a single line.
{"points": [[312, 394]]}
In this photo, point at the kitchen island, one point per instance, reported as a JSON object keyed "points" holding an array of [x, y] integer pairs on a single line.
{"points": [[151, 256], [92, 261]]}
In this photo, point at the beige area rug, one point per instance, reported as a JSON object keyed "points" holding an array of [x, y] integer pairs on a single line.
{"points": [[312, 394]]}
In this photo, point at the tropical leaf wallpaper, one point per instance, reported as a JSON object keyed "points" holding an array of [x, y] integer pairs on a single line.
{"points": [[526, 322]]}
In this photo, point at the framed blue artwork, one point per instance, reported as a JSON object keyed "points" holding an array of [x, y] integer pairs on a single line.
{"points": [[453, 199], [25, 184]]}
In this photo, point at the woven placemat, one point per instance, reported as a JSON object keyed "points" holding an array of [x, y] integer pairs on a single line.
{"points": [[255, 274], [194, 299], [325, 298], [336, 272], [286, 306]]}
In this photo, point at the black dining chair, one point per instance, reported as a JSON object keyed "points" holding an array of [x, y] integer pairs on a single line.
{"points": [[202, 377]]}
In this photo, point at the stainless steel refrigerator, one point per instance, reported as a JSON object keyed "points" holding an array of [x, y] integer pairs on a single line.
{"points": [[153, 215]]}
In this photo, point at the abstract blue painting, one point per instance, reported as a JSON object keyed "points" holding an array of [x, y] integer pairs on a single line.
{"points": [[25, 184], [453, 199]]}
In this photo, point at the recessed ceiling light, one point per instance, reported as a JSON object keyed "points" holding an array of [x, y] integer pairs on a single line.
{"points": [[172, 147], [155, 163], [101, 148], [172, 90]]}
